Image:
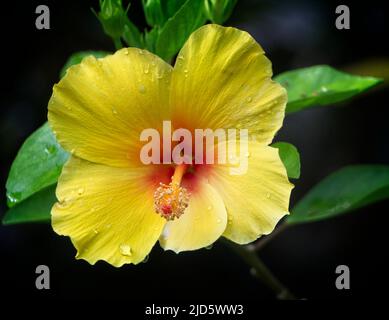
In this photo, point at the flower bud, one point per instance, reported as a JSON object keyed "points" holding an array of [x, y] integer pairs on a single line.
{"points": [[113, 17], [218, 11]]}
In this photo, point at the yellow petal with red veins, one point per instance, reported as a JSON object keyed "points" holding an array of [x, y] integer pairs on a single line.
{"points": [[202, 223], [256, 200], [98, 110], [107, 212], [222, 79]]}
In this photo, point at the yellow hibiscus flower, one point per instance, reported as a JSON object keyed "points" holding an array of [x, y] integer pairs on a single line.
{"points": [[109, 202]]}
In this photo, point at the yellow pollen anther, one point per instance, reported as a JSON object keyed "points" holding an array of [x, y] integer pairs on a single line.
{"points": [[171, 200]]}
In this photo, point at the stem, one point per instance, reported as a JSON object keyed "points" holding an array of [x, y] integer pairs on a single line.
{"points": [[263, 242], [260, 271], [118, 43]]}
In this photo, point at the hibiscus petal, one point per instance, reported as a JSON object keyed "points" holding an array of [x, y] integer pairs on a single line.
{"points": [[257, 199], [107, 212], [222, 79], [98, 110], [202, 223]]}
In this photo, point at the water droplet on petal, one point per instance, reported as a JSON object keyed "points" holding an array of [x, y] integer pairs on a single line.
{"points": [[64, 204], [142, 88], [219, 220], [268, 195], [125, 250], [114, 111], [249, 99], [95, 231], [209, 247], [125, 51], [209, 208], [80, 191], [146, 70]]}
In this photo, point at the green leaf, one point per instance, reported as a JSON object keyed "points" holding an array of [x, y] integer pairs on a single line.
{"points": [[34, 209], [37, 165], [321, 85], [179, 27], [77, 57], [157, 12], [151, 38], [290, 158], [347, 189], [170, 7], [153, 12], [132, 36]]}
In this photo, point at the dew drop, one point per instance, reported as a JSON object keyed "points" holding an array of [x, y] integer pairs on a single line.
{"points": [[219, 220], [126, 51], [142, 88], [247, 154], [14, 197], [146, 259], [125, 250], [50, 149], [268, 195], [249, 99], [64, 204], [146, 70], [80, 191], [95, 231], [209, 208], [209, 247], [114, 111], [180, 60]]}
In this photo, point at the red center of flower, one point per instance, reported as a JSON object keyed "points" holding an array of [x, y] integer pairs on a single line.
{"points": [[167, 209]]}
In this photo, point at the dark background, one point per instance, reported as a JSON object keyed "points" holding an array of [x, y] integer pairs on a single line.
{"points": [[294, 34]]}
